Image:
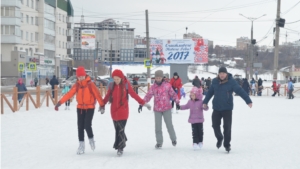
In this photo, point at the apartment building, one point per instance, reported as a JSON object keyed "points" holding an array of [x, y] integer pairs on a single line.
{"points": [[242, 43], [34, 31]]}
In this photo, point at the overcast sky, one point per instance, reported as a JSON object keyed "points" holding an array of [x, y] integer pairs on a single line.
{"points": [[169, 19]]}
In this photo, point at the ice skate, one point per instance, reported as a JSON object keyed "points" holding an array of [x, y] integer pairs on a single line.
{"points": [[174, 143], [81, 148], [158, 146], [200, 145], [219, 143], [196, 147], [92, 143], [120, 152], [66, 107], [228, 149]]}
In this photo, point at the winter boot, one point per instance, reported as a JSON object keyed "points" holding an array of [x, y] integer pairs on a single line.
{"points": [[66, 107], [174, 143], [158, 146], [120, 152], [227, 149], [81, 148], [200, 145], [195, 146], [92, 143], [219, 143]]}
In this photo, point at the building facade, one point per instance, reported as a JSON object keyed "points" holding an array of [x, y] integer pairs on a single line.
{"points": [[112, 39], [242, 43], [36, 30]]}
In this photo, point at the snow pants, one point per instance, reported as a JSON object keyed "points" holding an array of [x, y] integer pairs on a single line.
{"points": [[291, 96], [84, 121], [120, 139], [216, 122], [167, 115], [68, 102], [197, 129]]}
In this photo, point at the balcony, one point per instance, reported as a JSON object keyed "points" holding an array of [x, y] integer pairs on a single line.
{"points": [[10, 21], [69, 25], [16, 3], [10, 39]]}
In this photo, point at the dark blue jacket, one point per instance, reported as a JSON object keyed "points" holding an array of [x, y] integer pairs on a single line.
{"points": [[21, 88], [223, 98], [53, 81]]}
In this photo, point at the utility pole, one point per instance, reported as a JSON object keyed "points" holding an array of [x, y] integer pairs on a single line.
{"points": [[110, 58], [276, 41], [148, 48]]}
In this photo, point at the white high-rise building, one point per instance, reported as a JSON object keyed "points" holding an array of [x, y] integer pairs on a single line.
{"points": [[35, 31]]}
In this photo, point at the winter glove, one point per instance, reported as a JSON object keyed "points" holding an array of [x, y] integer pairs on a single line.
{"points": [[148, 106], [102, 110], [177, 107], [57, 105], [140, 108]]}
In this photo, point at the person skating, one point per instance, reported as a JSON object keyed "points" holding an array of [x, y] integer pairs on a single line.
{"points": [[246, 86], [196, 117], [36, 80], [117, 95], [208, 82], [65, 90], [86, 95], [222, 88], [176, 85], [274, 88], [291, 89], [162, 92], [196, 82], [21, 88], [47, 81], [53, 82]]}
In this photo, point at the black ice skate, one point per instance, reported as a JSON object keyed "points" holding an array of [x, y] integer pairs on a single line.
{"points": [[228, 149], [158, 146], [174, 143], [120, 152], [219, 143]]}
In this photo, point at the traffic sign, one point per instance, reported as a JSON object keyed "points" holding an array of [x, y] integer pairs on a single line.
{"points": [[21, 67], [147, 63], [32, 66]]}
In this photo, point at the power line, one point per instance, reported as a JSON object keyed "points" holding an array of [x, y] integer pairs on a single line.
{"points": [[291, 8], [293, 22]]}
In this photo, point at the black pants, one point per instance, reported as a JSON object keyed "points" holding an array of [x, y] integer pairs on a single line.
{"points": [[53, 93], [35, 84], [275, 94], [67, 103], [291, 96], [120, 139], [216, 122], [197, 129], [172, 103], [84, 121]]}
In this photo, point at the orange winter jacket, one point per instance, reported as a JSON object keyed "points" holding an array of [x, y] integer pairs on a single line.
{"points": [[84, 97]]}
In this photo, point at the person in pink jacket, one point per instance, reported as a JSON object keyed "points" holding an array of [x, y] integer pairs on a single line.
{"points": [[196, 116], [162, 92]]}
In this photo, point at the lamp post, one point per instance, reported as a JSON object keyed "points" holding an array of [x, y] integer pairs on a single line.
{"points": [[110, 57], [250, 57]]}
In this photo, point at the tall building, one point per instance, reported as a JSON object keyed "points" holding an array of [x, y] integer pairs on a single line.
{"points": [[34, 31], [242, 43], [113, 39], [191, 35]]}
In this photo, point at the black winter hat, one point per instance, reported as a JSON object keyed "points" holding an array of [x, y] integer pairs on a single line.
{"points": [[175, 74], [223, 69]]}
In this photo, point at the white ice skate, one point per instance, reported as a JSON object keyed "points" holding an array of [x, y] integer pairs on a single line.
{"points": [[66, 107], [200, 145], [81, 148], [92, 143], [196, 147]]}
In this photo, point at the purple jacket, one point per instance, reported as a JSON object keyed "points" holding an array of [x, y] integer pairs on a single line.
{"points": [[162, 95], [196, 109]]}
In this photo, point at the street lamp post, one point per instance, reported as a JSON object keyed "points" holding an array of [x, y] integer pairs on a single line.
{"points": [[250, 57], [110, 58]]}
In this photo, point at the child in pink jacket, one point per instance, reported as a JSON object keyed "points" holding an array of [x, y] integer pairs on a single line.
{"points": [[196, 116]]}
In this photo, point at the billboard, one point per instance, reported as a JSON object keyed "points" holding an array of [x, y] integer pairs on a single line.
{"points": [[179, 51], [88, 39]]}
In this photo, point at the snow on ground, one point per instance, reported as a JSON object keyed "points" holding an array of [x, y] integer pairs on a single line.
{"points": [[265, 136]]}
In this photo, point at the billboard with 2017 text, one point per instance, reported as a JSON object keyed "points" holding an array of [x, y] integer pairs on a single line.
{"points": [[177, 51]]}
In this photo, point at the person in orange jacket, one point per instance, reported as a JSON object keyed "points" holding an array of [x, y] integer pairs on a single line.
{"points": [[86, 95], [118, 95], [176, 85]]}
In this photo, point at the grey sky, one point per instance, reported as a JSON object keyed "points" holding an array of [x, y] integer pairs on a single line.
{"points": [[168, 18]]}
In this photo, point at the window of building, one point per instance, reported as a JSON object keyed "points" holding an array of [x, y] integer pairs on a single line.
{"points": [[63, 32], [22, 1], [27, 18], [32, 4], [49, 39], [32, 21], [63, 45], [7, 11], [26, 35], [21, 17], [49, 24], [63, 18], [26, 51], [27, 2], [59, 44], [49, 9], [36, 50], [37, 5], [21, 34], [36, 21], [59, 31], [36, 36], [59, 16], [31, 37]]}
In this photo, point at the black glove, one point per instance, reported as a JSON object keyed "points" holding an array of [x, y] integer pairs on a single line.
{"points": [[140, 108], [177, 107]]}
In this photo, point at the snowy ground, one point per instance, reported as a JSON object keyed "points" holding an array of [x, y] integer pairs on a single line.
{"points": [[266, 136]]}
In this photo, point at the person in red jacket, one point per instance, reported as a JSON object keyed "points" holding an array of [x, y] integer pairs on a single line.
{"points": [[274, 88], [176, 85], [117, 95]]}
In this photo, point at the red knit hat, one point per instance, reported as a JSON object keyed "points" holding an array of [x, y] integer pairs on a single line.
{"points": [[80, 71], [118, 73]]}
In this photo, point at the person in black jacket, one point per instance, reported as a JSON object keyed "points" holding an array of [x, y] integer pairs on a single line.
{"points": [[208, 82], [196, 82], [53, 82], [260, 82], [246, 85], [135, 86], [222, 88]]}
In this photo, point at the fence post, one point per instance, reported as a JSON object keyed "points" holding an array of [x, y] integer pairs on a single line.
{"points": [[27, 101], [284, 90], [47, 98], [38, 96], [267, 91], [101, 89], [15, 98], [2, 105], [148, 86], [55, 94]]}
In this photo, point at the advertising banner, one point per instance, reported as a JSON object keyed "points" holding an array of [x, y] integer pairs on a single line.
{"points": [[88, 39], [46, 61], [179, 51]]}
